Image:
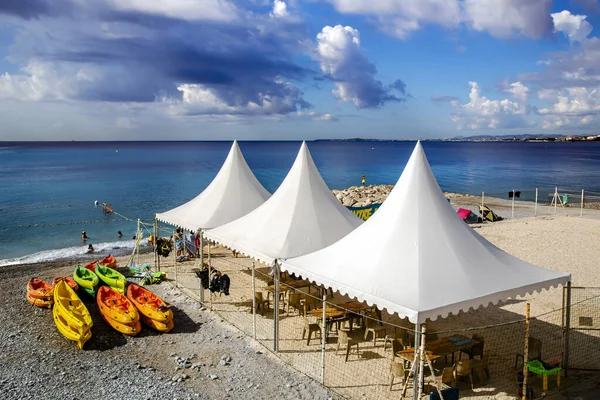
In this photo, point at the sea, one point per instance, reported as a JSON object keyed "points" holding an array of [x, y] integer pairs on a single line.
{"points": [[48, 190]]}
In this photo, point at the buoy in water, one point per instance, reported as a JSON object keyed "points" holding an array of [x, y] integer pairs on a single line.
{"points": [[96, 203], [116, 151]]}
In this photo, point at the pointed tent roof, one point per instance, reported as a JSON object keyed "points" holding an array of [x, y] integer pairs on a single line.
{"points": [[234, 192], [416, 257], [302, 216]]}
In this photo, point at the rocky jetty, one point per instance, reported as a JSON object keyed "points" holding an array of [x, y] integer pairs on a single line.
{"points": [[361, 196]]}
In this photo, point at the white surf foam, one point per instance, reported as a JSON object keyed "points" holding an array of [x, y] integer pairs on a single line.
{"points": [[101, 250]]}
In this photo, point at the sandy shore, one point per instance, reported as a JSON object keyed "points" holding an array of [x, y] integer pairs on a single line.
{"points": [[143, 367]]}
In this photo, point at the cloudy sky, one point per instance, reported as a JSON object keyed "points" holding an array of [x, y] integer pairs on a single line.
{"points": [[296, 69]]}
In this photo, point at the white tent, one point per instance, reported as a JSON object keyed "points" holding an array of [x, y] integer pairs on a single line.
{"points": [[302, 216], [416, 257], [234, 192]]}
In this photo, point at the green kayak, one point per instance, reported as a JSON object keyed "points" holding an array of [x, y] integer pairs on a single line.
{"points": [[111, 277], [86, 280]]}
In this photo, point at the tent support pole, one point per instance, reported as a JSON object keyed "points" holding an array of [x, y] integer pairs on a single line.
{"points": [[276, 309], [253, 300], [323, 338], [581, 208], [421, 362], [526, 352], [555, 199], [482, 198], [536, 201], [567, 330], [201, 264], [156, 256], [137, 243], [416, 357], [209, 276]]}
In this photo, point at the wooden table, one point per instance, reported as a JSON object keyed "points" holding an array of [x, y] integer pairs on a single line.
{"points": [[289, 285], [440, 347], [332, 312]]}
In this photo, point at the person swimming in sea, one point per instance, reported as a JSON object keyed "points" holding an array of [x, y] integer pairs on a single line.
{"points": [[84, 236], [119, 234], [90, 249]]}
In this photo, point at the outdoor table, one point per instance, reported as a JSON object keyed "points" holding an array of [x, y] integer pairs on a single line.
{"points": [[537, 368], [332, 312], [440, 348], [284, 287]]}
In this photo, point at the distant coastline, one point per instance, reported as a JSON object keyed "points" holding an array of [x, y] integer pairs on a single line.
{"points": [[484, 138]]}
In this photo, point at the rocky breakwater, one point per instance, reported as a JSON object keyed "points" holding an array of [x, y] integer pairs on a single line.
{"points": [[361, 196]]}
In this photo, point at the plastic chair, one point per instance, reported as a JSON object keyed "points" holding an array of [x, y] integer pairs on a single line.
{"points": [[310, 328], [475, 350], [295, 301], [373, 325], [397, 370], [446, 378], [480, 368], [534, 353], [349, 339], [261, 302], [462, 369]]}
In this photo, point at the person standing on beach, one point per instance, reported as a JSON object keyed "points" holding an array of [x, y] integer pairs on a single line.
{"points": [[363, 180]]}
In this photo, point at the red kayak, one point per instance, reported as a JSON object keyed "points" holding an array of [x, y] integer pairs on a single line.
{"points": [[109, 261], [91, 266], [70, 281]]}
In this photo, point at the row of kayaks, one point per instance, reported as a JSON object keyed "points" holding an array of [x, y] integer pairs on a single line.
{"points": [[123, 313]]}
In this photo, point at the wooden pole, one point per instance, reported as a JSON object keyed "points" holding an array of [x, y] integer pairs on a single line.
{"points": [[253, 300], [202, 265], [526, 352], [581, 209], [512, 214], [482, 198], [156, 256], [137, 243], [536, 201], [555, 199], [175, 262], [276, 309], [421, 362], [323, 338]]}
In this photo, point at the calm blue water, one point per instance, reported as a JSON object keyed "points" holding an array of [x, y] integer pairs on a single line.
{"points": [[50, 183]]}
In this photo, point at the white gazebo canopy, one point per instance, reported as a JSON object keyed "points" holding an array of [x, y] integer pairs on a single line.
{"points": [[417, 258], [302, 216], [234, 192]]}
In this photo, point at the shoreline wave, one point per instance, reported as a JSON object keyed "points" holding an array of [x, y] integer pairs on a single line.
{"points": [[119, 248]]}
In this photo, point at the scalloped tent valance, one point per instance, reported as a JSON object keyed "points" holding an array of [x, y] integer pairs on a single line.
{"points": [[302, 216], [234, 192], [417, 258]]}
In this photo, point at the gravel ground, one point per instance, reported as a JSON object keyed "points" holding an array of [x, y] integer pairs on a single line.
{"points": [[202, 358]]}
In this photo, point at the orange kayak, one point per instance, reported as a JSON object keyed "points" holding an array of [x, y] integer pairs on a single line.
{"points": [[70, 281], [159, 326], [115, 307], [39, 289], [109, 261], [91, 266], [40, 302], [149, 304]]}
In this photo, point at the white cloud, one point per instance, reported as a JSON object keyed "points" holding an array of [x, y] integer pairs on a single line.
{"points": [[38, 82], [573, 102], [481, 112], [191, 10], [501, 18], [279, 9], [508, 18], [575, 27], [519, 91], [342, 60]]}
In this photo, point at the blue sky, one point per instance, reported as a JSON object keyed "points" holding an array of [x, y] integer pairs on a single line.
{"points": [[297, 69]]}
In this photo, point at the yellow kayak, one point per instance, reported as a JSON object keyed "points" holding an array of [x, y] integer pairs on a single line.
{"points": [[165, 326], [127, 329], [80, 336], [70, 307]]}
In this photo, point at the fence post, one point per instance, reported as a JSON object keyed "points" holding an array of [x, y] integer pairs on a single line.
{"points": [[323, 338], [526, 352], [536, 200], [555, 198], [581, 210], [253, 301], [209, 276], [512, 213], [482, 198], [568, 329], [176, 249]]}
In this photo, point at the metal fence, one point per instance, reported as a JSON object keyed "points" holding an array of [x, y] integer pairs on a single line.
{"points": [[534, 202], [360, 352]]}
